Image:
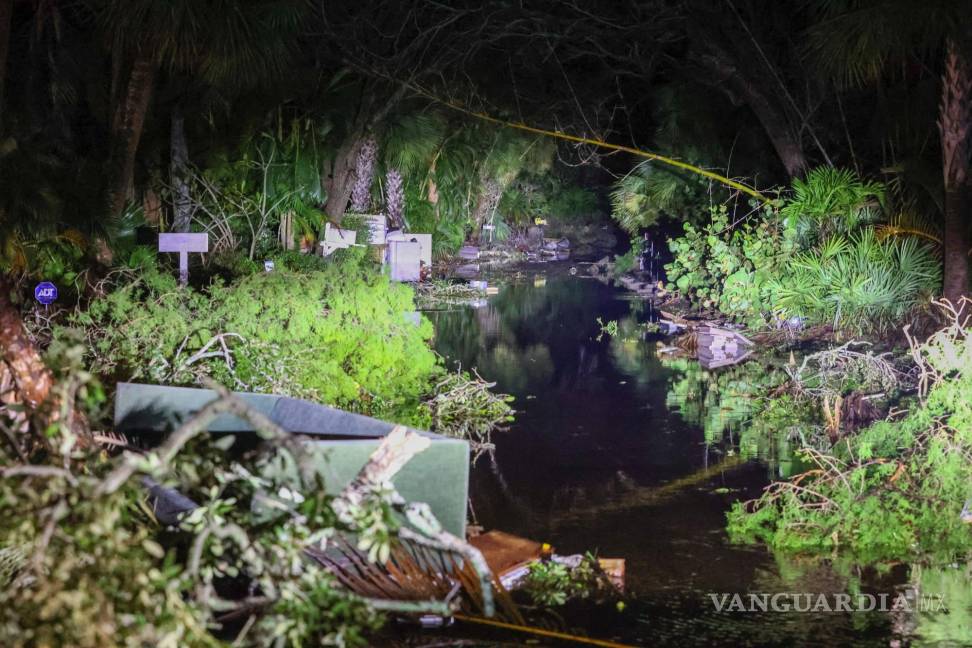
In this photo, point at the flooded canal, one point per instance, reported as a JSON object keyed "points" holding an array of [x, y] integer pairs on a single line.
{"points": [[619, 451]]}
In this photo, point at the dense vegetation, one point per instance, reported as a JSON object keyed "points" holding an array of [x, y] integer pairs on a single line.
{"points": [[109, 573], [896, 489], [336, 335], [817, 259], [814, 159]]}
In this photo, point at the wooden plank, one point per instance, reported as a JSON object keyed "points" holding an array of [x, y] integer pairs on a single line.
{"points": [[505, 551]]}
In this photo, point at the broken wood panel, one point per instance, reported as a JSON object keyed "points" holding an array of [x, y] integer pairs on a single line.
{"points": [[504, 551]]}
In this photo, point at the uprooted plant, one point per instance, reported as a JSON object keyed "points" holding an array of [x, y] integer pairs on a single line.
{"points": [[429, 294], [88, 559], [896, 489], [555, 582], [70, 566], [464, 407]]}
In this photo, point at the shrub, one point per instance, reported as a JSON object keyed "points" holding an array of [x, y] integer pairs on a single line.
{"points": [[896, 490], [858, 282], [550, 583], [817, 259], [831, 201], [716, 266], [337, 335]]}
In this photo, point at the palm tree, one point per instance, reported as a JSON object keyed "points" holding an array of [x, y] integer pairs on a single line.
{"points": [[213, 40], [859, 41], [508, 153]]}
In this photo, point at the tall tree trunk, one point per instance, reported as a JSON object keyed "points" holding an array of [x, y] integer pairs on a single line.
{"points": [[127, 123], [489, 197], [785, 141], [955, 126], [179, 172], [339, 176], [771, 115], [364, 175], [6, 14]]}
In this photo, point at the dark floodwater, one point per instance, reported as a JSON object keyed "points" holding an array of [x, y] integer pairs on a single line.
{"points": [[609, 452]]}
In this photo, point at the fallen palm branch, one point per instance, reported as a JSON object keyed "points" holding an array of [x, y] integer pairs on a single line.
{"points": [[822, 374]]}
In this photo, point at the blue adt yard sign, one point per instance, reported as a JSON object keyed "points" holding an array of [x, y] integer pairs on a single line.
{"points": [[45, 292]]}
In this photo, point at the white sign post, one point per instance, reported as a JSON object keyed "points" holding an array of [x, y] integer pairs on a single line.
{"points": [[183, 243]]}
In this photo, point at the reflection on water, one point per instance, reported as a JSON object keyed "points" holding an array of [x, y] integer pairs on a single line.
{"points": [[619, 450]]}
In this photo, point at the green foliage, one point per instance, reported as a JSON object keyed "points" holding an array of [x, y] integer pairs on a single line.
{"points": [[893, 491], [627, 262], [831, 201], [412, 140], [242, 194], [550, 583], [953, 583], [718, 266], [570, 203], [337, 335], [858, 282], [542, 195], [819, 260], [516, 207], [648, 193], [463, 406], [727, 402], [85, 563], [221, 42], [609, 328], [857, 41], [446, 166]]}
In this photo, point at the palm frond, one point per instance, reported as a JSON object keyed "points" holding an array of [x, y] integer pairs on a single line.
{"points": [[861, 282], [412, 140], [911, 224], [831, 200], [854, 41], [646, 194]]}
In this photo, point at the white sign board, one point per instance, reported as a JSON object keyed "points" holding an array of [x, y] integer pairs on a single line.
{"points": [[183, 243]]}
